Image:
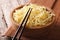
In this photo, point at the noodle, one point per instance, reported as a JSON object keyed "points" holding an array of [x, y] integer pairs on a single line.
{"points": [[39, 15]]}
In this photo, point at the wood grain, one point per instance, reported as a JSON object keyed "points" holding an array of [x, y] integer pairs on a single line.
{"points": [[2, 22], [47, 3], [7, 5], [55, 30]]}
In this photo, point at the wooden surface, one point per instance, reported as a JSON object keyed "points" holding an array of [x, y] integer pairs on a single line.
{"points": [[7, 5]]}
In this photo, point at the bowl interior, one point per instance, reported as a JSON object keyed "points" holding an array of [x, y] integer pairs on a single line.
{"points": [[21, 6]]}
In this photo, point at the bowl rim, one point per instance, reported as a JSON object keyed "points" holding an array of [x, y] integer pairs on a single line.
{"points": [[20, 6]]}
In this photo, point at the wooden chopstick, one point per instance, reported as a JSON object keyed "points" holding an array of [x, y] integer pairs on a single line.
{"points": [[22, 26]]}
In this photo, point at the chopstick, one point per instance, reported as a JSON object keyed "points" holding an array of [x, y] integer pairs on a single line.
{"points": [[22, 26]]}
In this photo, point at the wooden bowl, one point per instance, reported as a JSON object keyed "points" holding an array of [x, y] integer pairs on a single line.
{"points": [[34, 32]]}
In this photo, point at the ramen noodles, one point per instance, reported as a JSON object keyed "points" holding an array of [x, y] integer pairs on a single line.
{"points": [[39, 16]]}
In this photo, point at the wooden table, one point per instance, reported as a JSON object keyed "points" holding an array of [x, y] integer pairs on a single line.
{"points": [[7, 5]]}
